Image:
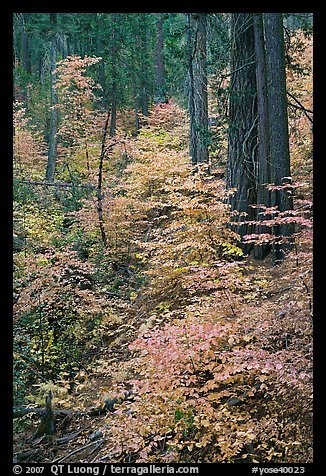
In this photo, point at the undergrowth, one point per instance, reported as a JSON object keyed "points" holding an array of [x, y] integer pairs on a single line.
{"points": [[208, 352]]}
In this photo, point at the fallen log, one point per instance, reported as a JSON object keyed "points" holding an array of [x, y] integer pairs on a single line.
{"points": [[106, 406], [22, 411]]}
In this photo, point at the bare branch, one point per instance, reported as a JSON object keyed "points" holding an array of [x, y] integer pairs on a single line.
{"points": [[300, 106]]}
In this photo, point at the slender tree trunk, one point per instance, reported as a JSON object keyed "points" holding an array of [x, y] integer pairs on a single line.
{"points": [[135, 88], [101, 69], [242, 150], [144, 67], [144, 103], [25, 47], [278, 122], [63, 46], [136, 109], [198, 100], [114, 79], [52, 154], [101, 72], [100, 181], [40, 69], [200, 86], [24, 55], [159, 63], [113, 110], [191, 94]]}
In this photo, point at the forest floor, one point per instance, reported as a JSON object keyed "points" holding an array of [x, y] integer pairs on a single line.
{"points": [[82, 437], [222, 367]]}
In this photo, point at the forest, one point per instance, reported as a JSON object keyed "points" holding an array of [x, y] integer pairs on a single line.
{"points": [[162, 238]]}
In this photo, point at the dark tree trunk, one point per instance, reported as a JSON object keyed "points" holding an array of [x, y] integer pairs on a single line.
{"points": [[278, 122], [113, 110], [100, 181], [136, 109], [40, 69], [144, 69], [200, 88], [144, 102], [191, 99], [198, 100], [258, 129], [159, 63], [24, 56], [114, 79], [242, 151], [101, 64], [263, 169], [52, 154], [25, 47]]}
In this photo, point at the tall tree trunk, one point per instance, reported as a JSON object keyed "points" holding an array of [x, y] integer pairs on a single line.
{"points": [[144, 68], [63, 45], [159, 62], [200, 86], [113, 110], [198, 99], [100, 64], [25, 47], [52, 154], [191, 94], [263, 169], [136, 109], [278, 122], [24, 56], [100, 182], [242, 149], [114, 79]]}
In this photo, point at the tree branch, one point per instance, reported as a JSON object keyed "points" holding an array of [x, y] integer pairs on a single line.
{"points": [[300, 106]]}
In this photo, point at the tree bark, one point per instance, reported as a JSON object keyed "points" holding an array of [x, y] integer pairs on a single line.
{"points": [[136, 109], [101, 64], [243, 118], [144, 67], [114, 79], [263, 169], [192, 141], [52, 154], [200, 86], [24, 56], [25, 47], [100, 181], [278, 123], [159, 62], [198, 100]]}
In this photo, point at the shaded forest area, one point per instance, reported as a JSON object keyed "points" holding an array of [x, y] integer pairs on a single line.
{"points": [[162, 237]]}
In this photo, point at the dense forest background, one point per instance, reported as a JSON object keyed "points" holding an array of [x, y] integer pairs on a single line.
{"points": [[162, 237]]}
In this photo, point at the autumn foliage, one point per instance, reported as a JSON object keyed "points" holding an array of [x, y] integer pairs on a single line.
{"points": [[212, 349]]}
